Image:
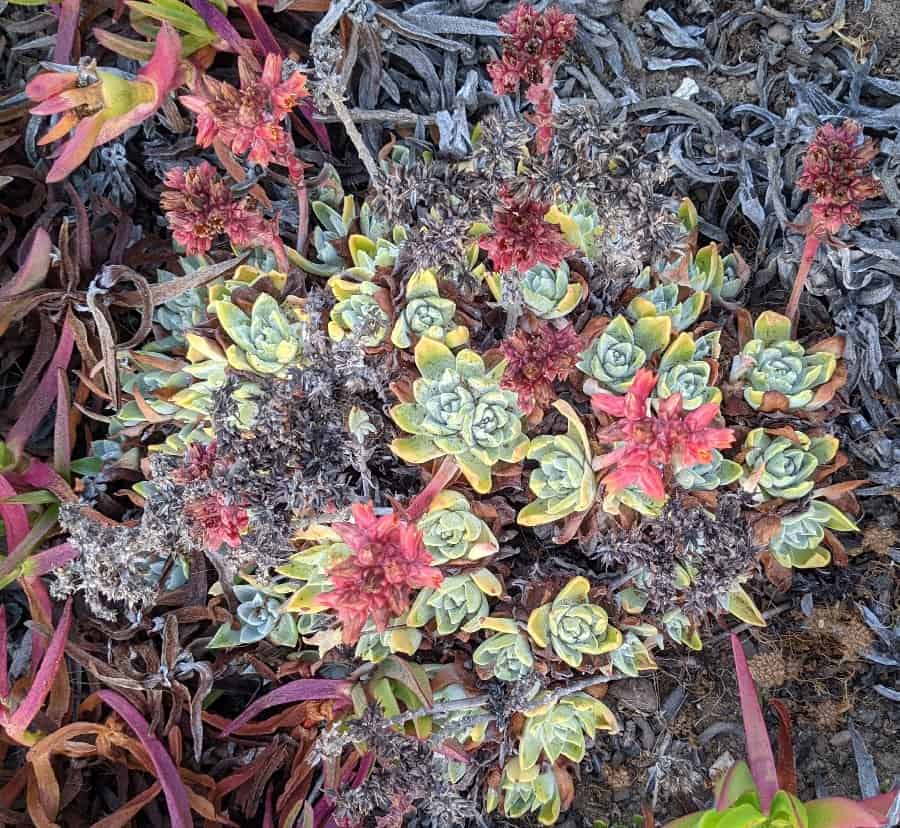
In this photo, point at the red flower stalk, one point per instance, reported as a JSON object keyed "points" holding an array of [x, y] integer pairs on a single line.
{"points": [[199, 463], [534, 42], [218, 521], [649, 444], [388, 560], [542, 96], [199, 207], [834, 173], [537, 358], [521, 238], [249, 119]]}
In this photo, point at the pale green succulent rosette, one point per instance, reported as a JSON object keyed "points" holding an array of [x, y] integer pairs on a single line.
{"points": [[528, 790], [452, 723], [635, 499], [460, 410], [427, 314], [560, 729], [572, 626], [722, 278], [782, 467], [460, 602], [376, 646], [359, 314], [663, 301], [564, 483], [579, 224], [308, 569], [773, 362], [632, 656], [260, 616], [683, 369], [798, 543], [615, 356], [680, 628], [451, 532], [266, 342], [547, 292], [369, 255], [507, 654], [707, 477], [333, 228], [243, 277]]}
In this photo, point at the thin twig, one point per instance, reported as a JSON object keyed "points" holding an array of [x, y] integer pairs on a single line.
{"points": [[741, 627], [399, 117], [346, 119]]}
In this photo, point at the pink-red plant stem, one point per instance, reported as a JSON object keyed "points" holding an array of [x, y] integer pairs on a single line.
{"points": [[810, 248]]}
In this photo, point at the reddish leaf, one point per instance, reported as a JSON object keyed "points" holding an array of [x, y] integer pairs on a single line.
{"points": [[786, 766], [18, 722], [759, 750], [295, 691], [44, 396], [173, 787]]}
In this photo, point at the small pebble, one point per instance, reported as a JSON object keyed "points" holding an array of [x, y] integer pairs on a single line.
{"points": [[779, 33], [840, 739]]}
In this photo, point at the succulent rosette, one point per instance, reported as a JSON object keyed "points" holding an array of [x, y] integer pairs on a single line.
{"points": [[527, 790], [548, 293], [460, 410], [399, 637], [427, 314], [460, 602], [784, 466], [778, 373], [707, 477], [613, 358], [360, 313], [663, 301], [265, 342], [572, 626], [452, 533], [580, 224], [560, 729], [259, 616], [800, 540], [564, 483], [506, 655], [688, 367]]}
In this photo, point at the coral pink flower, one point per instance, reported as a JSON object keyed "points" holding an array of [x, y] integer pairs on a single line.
{"points": [[833, 172], [388, 560], [534, 41], [250, 120], [535, 359], [199, 207], [521, 238], [100, 105], [648, 444], [218, 521]]}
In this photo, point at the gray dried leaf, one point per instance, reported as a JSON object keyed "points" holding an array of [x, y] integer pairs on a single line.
{"points": [[865, 764], [682, 37]]}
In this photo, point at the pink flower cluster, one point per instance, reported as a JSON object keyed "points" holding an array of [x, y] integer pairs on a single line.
{"points": [[217, 521], [388, 560], [833, 172], [199, 207], [521, 238], [535, 359], [648, 444], [533, 44], [250, 119]]}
